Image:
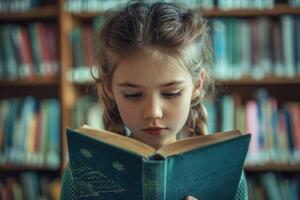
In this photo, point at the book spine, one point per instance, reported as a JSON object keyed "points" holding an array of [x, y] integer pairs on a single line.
{"points": [[154, 179]]}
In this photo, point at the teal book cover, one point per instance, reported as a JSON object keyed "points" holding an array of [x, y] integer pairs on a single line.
{"points": [[106, 165]]}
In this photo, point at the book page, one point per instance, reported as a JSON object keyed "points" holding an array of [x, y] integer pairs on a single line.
{"points": [[118, 140], [189, 144], [180, 146]]}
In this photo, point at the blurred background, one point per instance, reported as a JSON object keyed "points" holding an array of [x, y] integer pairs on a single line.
{"points": [[48, 49]]}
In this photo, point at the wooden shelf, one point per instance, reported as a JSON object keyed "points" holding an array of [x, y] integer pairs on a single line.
{"points": [[44, 12], [276, 11], [35, 82], [273, 167], [88, 15], [264, 81], [244, 81], [216, 12], [13, 167]]}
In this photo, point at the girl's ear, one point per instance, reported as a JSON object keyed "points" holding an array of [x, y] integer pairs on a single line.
{"points": [[199, 86]]}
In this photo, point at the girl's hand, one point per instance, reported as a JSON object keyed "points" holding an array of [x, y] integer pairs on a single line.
{"points": [[190, 198]]}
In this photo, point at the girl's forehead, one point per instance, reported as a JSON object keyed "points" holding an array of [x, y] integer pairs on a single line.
{"points": [[147, 56], [150, 71], [151, 58], [149, 64]]}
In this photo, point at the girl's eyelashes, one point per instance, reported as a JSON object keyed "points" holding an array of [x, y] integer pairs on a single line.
{"points": [[132, 95], [171, 95], [139, 95]]}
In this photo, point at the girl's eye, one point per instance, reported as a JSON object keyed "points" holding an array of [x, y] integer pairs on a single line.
{"points": [[133, 95], [171, 95], [136, 96]]}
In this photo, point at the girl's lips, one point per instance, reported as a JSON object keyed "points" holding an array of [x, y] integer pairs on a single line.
{"points": [[154, 131]]}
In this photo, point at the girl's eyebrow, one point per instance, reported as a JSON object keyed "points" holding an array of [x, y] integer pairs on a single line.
{"points": [[133, 85]]}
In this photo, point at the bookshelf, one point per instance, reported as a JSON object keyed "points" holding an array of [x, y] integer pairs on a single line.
{"points": [[276, 11], [29, 174], [272, 167], [16, 168], [68, 92], [265, 81], [216, 12], [37, 81], [43, 12]]}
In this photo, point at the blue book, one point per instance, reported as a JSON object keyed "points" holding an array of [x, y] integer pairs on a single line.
{"points": [[53, 133], [297, 43], [107, 165]]}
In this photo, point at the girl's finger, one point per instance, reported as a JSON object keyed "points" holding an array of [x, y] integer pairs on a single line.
{"points": [[191, 198]]}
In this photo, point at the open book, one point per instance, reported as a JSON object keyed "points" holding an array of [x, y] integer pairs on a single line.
{"points": [[107, 165]]}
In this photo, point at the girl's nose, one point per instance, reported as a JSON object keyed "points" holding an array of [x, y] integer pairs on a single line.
{"points": [[153, 110]]}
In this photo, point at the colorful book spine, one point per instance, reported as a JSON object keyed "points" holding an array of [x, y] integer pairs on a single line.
{"points": [[28, 52], [18, 6], [29, 185], [31, 132], [275, 128], [264, 47], [273, 186], [252, 127]]}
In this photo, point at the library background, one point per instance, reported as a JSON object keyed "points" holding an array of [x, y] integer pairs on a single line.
{"points": [[48, 46]]}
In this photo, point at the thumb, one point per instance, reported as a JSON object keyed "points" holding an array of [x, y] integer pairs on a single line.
{"points": [[190, 198]]}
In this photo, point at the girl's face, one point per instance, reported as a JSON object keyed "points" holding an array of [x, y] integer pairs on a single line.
{"points": [[153, 98]]}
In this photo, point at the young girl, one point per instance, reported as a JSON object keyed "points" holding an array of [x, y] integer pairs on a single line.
{"points": [[152, 77]]}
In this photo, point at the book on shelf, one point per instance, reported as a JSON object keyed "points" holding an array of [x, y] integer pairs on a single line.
{"points": [[84, 46], [270, 186], [30, 132], [29, 185], [28, 52], [245, 4], [94, 5], [274, 125], [289, 39], [264, 47], [109, 165], [297, 45], [18, 6]]}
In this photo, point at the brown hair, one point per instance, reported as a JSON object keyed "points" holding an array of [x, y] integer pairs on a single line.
{"points": [[176, 32]]}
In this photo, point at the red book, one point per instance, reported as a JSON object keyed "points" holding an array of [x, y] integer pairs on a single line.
{"points": [[52, 42], [27, 54], [42, 36], [294, 109], [38, 133]]}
